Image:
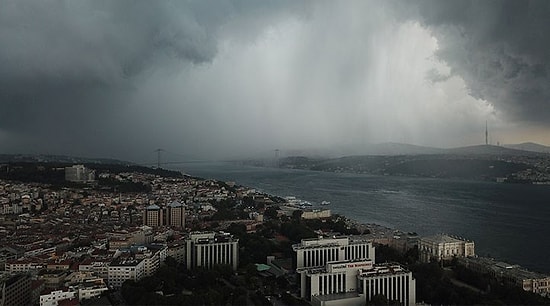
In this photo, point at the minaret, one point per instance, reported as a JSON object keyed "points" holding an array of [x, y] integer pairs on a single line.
{"points": [[486, 134]]}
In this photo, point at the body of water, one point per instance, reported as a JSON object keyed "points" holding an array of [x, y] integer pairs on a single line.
{"points": [[506, 221]]}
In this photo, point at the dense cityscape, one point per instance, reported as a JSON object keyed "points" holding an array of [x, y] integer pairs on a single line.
{"points": [[110, 236]]}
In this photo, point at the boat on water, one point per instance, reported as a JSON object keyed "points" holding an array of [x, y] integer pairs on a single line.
{"points": [[293, 201]]}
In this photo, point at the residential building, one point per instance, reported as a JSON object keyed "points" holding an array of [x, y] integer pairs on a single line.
{"points": [[177, 250], [15, 290], [54, 297], [153, 216], [125, 268], [175, 215]]}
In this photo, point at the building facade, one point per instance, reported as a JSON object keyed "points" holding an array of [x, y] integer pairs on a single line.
{"points": [[123, 269], [54, 297], [153, 216], [342, 271], [390, 280], [79, 174], [316, 252], [444, 247], [15, 290], [175, 215], [208, 249]]}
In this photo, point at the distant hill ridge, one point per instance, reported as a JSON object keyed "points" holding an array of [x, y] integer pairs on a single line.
{"points": [[529, 146], [392, 148], [45, 158]]}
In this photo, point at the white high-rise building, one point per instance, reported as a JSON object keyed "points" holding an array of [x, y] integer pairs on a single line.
{"points": [[207, 249], [316, 252], [390, 280], [342, 271], [335, 277]]}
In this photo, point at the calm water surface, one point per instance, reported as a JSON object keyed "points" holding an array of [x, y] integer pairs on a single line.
{"points": [[506, 221]]}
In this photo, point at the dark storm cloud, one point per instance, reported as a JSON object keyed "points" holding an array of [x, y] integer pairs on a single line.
{"points": [[220, 77], [67, 66], [500, 48]]}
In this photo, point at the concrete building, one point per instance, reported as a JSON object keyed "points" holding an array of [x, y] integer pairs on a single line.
{"points": [[356, 282], [79, 174], [177, 250], [175, 215], [390, 280], [511, 275], [153, 216], [335, 277], [444, 247], [207, 249], [153, 254], [316, 252], [342, 271], [96, 267], [15, 290], [23, 265], [54, 297], [310, 214], [123, 269]]}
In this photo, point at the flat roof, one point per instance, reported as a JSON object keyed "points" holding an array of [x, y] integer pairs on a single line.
{"points": [[336, 296], [443, 238]]}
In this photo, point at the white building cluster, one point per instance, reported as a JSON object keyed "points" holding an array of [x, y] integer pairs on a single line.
{"points": [[79, 174], [342, 271]]}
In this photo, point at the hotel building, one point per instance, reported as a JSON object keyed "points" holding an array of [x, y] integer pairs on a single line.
{"points": [[316, 252], [342, 271], [207, 249], [391, 280]]}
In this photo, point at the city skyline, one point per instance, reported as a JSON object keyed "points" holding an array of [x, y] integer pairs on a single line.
{"points": [[235, 78]]}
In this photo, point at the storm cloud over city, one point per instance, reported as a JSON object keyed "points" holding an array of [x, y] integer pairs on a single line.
{"points": [[223, 79]]}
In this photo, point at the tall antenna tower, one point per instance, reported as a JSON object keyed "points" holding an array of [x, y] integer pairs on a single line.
{"points": [[277, 158], [486, 133], [159, 151]]}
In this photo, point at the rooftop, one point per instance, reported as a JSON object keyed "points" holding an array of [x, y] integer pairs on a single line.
{"points": [[443, 238]]}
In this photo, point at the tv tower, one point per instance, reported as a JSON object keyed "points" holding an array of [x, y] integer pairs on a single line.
{"points": [[486, 134], [277, 158], [158, 156]]}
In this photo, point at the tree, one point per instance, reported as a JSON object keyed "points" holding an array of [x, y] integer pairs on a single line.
{"points": [[297, 215], [271, 212]]}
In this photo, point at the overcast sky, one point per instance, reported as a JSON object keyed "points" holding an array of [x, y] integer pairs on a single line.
{"points": [[221, 79]]}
